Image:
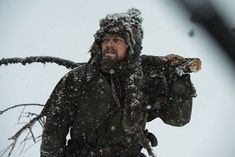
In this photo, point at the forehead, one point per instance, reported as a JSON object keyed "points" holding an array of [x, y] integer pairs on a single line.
{"points": [[107, 36]]}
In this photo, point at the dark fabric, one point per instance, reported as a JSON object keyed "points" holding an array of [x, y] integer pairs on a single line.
{"points": [[82, 103], [77, 149], [169, 96], [128, 77]]}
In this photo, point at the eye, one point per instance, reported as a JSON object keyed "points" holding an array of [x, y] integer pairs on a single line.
{"points": [[118, 40], [105, 40], [115, 40]]}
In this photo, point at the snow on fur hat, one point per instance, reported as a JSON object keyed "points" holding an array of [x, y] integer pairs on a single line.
{"points": [[127, 25]]}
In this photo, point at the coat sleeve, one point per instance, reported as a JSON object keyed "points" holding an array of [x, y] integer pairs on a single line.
{"points": [[169, 96], [177, 108], [57, 111]]}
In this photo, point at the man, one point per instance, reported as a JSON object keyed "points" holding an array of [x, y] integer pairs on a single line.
{"points": [[104, 104]]}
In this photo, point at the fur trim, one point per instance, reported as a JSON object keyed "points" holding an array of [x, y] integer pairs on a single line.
{"points": [[128, 25]]}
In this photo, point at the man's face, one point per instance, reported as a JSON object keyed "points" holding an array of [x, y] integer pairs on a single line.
{"points": [[114, 47]]}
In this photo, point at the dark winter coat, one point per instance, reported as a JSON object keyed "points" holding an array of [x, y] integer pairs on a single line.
{"points": [[82, 104]]}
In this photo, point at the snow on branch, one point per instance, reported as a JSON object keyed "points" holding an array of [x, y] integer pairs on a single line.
{"points": [[40, 59]]}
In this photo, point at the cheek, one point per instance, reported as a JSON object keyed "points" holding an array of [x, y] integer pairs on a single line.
{"points": [[122, 52], [102, 46]]}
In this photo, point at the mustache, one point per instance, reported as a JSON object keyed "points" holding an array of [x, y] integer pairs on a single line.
{"points": [[110, 50]]}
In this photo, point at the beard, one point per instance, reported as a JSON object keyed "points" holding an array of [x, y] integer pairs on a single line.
{"points": [[109, 60], [110, 53]]}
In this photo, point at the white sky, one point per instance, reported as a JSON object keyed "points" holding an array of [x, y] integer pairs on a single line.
{"points": [[65, 29]]}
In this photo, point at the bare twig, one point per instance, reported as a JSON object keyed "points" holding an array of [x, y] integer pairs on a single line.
{"points": [[21, 114], [12, 146], [41, 122], [39, 139], [27, 126], [32, 134], [28, 138], [15, 138], [22, 150], [20, 105], [24, 141], [4, 151], [30, 114]]}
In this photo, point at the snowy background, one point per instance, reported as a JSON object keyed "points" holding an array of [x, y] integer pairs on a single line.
{"points": [[65, 29]]}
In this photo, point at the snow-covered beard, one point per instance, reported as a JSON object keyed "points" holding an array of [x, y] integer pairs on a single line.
{"points": [[110, 53], [109, 60], [107, 65]]}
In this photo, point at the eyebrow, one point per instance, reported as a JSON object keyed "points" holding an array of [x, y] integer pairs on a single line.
{"points": [[117, 37], [114, 35]]}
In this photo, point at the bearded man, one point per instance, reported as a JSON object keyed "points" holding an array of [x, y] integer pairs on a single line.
{"points": [[105, 104]]}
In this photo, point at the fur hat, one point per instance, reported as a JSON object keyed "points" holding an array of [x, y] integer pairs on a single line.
{"points": [[127, 25]]}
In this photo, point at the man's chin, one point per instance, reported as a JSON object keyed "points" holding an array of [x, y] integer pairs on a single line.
{"points": [[110, 57], [108, 63]]}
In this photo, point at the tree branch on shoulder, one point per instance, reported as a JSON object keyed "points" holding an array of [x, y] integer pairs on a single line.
{"points": [[40, 59]]}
